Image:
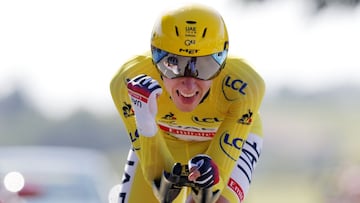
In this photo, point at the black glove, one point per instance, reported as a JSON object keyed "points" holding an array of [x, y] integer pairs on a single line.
{"points": [[209, 173]]}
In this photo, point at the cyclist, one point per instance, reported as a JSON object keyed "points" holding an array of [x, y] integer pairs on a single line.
{"points": [[186, 101]]}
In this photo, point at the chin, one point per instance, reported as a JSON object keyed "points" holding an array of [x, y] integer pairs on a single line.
{"points": [[185, 106]]}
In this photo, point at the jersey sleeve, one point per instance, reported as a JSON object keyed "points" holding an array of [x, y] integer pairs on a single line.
{"points": [[118, 89], [147, 149], [226, 147]]}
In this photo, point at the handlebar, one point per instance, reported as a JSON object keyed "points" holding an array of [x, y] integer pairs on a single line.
{"points": [[170, 185]]}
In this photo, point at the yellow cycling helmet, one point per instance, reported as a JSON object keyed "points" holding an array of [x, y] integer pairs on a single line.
{"points": [[182, 39], [193, 30]]}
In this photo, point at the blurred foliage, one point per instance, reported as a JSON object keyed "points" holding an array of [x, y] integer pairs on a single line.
{"points": [[308, 137], [316, 5], [21, 124]]}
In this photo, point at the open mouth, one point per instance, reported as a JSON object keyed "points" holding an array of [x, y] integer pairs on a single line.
{"points": [[186, 95]]}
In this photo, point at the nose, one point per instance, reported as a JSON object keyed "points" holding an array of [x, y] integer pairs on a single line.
{"points": [[189, 82]]}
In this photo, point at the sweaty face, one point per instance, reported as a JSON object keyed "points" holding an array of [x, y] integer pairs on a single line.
{"points": [[186, 92]]}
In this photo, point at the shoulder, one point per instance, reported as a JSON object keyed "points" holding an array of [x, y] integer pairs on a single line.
{"points": [[240, 68], [239, 80]]}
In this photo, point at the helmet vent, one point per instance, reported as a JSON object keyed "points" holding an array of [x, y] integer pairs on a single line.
{"points": [[204, 33], [190, 22], [176, 31]]}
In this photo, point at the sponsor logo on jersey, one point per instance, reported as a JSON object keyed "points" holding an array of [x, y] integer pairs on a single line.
{"points": [[127, 179], [229, 85], [187, 130], [245, 165], [169, 116], [206, 121], [246, 119], [127, 110], [134, 136], [234, 186], [248, 158], [229, 143]]}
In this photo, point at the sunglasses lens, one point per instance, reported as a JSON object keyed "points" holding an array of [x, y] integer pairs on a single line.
{"points": [[202, 67]]}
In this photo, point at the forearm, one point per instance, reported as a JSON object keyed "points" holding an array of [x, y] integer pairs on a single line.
{"points": [[226, 147], [247, 162], [238, 183]]}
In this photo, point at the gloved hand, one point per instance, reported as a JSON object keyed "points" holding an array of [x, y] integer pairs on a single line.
{"points": [[143, 91], [203, 171]]}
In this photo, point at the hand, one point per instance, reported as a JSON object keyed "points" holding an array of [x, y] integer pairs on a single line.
{"points": [[143, 91], [203, 171]]}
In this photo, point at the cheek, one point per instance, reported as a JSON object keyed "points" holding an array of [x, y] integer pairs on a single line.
{"points": [[206, 85], [168, 85]]}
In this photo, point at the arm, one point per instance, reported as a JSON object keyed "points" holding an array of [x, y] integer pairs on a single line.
{"points": [[147, 148], [227, 145], [118, 89], [241, 175], [249, 158]]}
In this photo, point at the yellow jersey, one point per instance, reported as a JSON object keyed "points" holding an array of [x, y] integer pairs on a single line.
{"points": [[218, 127]]}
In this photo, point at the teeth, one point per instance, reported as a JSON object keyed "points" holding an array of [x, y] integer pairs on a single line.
{"points": [[188, 95]]}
